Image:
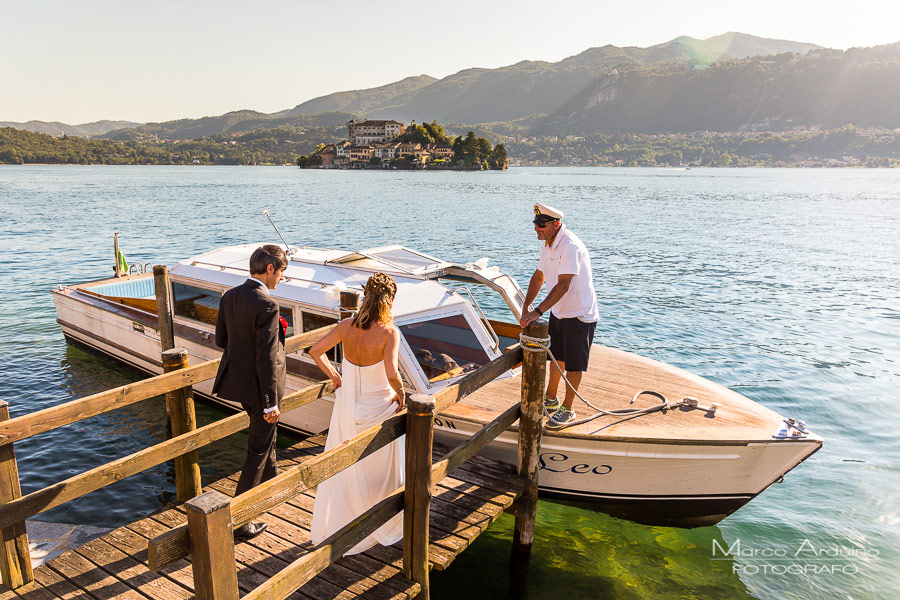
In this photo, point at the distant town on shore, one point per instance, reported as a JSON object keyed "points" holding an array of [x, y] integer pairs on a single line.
{"points": [[388, 144]]}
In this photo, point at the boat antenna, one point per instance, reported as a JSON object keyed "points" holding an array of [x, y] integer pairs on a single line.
{"points": [[286, 247]]}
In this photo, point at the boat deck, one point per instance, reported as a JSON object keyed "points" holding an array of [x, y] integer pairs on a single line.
{"points": [[114, 566], [612, 379]]}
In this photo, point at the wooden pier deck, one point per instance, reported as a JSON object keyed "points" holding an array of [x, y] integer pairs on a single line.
{"points": [[463, 505], [188, 551]]}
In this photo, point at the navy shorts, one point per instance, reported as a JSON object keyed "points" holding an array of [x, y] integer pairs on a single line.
{"points": [[570, 341]]}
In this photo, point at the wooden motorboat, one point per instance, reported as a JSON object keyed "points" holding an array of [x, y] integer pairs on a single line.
{"points": [[687, 466]]}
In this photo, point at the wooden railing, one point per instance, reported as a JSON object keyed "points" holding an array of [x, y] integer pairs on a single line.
{"points": [[15, 561], [212, 517]]}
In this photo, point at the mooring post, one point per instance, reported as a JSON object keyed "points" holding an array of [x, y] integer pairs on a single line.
{"points": [[164, 307], [183, 419], [15, 558], [349, 305], [419, 488], [212, 547], [534, 371]]}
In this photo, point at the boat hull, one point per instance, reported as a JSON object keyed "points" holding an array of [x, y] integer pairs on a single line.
{"points": [[685, 483]]}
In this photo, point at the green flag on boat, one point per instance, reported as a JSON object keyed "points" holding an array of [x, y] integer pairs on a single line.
{"points": [[121, 263]]}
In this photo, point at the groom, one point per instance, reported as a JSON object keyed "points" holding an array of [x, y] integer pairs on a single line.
{"points": [[253, 366]]}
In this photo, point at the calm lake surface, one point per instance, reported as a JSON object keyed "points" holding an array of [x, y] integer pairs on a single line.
{"points": [[780, 284]]}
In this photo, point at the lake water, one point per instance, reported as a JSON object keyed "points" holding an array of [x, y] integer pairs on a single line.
{"points": [[780, 284]]}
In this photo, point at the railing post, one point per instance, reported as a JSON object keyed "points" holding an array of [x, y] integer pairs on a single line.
{"points": [[164, 307], [212, 547], [418, 490], [349, 305], [15, 558], [180, 403], [534, 371]]}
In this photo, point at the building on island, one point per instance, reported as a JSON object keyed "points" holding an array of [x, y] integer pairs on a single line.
{"points": [[371, 132], [442, 151], [361, 153]]}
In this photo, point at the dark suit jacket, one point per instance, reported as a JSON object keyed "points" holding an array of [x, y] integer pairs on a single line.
{"points": [[253, 366]]}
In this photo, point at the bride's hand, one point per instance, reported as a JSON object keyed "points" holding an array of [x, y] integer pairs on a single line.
{"points": [[336, 381], [399, 400]]}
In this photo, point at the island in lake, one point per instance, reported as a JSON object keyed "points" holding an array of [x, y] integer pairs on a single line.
{"points": [[388, 144]]}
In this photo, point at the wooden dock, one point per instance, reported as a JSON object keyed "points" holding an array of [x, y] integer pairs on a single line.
{"points": [[449, 496], [115, 565]]}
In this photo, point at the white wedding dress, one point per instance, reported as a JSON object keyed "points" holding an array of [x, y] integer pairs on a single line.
{"points": [[363, 400]]}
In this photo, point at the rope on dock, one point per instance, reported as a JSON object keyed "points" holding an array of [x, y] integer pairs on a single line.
{"points": [[533, 344]]}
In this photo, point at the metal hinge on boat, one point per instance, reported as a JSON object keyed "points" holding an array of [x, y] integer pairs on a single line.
{"points": [[793, 429]]}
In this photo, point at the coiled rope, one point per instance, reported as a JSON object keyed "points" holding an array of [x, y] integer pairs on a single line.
{"points": [[533, 344]]}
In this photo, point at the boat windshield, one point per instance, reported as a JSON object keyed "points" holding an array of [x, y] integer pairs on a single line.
{"points": [[444, 347]]}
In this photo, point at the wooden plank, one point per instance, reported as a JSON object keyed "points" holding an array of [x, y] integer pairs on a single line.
{"points": [[131, 572], [269, 554], [135, 546], [58, 586], [477, 379], [30, 591], [87, 576], [70, 412], [259, 499], [89, 481], [305, 568], [502, 499], [470, 447]]}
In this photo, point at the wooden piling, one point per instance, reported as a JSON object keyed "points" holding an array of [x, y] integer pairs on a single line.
{"points": [[212, 547], [419, 489], [15, 558], [534, 371], [349, 303], [349, 306], [165, 308], [180, 404]]}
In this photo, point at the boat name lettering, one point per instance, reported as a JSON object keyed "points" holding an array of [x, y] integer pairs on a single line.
{"points": [[445, 423], [556, 458]]}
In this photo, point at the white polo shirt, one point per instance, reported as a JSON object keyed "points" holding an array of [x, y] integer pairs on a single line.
{"points": [[569, 256]]}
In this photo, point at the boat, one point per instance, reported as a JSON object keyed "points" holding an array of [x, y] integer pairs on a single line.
{"points": [[687, 466]]}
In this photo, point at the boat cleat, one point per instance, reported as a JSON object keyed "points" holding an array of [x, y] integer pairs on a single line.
{"points": [[794, 429], [692, 402]]}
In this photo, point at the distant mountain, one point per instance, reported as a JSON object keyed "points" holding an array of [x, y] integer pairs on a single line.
{"points": [[56, 129], [528, 89], [829, 88], [361, 101], [233, 123], [535, 87]]}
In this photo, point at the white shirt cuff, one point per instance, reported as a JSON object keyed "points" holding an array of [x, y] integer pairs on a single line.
{"points": [[268, 410]]}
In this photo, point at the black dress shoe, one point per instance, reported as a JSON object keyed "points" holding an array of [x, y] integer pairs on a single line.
{"points": [[249, 531]]}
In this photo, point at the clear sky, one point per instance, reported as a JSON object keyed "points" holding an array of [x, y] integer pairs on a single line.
{"points": [[88, 60]]}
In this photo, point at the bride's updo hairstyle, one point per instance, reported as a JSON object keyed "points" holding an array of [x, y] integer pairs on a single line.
{"points": [[376, 304]]}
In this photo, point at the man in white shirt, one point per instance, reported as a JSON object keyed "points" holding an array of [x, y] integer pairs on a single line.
{"points": [[565, 268]]}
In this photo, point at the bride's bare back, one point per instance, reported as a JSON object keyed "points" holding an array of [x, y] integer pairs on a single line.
{"points": [[365, 347]]}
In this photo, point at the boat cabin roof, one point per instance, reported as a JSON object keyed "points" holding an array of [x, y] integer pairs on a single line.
{"points": [[317, 276]]}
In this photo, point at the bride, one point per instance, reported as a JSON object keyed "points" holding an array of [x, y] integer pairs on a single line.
{"points": [[367, 391]]}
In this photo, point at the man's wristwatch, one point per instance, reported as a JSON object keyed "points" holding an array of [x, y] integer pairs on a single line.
{"points": [[538, 310]]}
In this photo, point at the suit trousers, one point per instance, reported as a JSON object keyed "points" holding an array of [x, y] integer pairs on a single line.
{"points": [[260, 463]]}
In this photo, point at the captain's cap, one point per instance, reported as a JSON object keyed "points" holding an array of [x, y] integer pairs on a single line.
{"points": [[544, 213]]}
